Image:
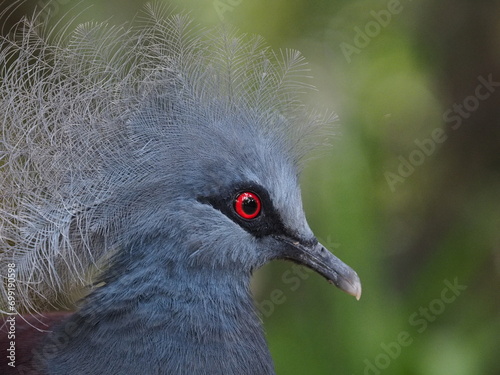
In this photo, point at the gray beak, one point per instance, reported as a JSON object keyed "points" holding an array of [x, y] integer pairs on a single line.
{"points": [[316, 257]]}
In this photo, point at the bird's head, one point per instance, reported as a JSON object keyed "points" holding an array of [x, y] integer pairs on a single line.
{"points": [[253, 200], [231, 198]]}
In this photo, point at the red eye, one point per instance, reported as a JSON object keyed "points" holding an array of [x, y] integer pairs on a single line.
{"points": [[247, 205]]}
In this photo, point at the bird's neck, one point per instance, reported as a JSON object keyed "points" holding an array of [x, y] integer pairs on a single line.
{"points": [[164, 319]]}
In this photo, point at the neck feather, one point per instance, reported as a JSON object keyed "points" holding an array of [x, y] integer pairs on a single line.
{"points": [[163, 318]]}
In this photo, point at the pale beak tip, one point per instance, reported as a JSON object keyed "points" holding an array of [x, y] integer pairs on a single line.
{"points": [[355, 291], [350, 285]]}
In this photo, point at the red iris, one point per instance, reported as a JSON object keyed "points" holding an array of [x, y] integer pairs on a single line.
{"points": [[247, 205]]}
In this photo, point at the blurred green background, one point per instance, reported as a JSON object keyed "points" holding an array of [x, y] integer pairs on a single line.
{"points": [[409, 192]]}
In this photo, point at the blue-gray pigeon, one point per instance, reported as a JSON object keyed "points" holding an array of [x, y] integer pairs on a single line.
{"points": [[149, 169]]}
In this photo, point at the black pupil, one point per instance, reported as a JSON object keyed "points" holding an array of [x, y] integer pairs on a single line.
{"points": [[249, 205]]}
